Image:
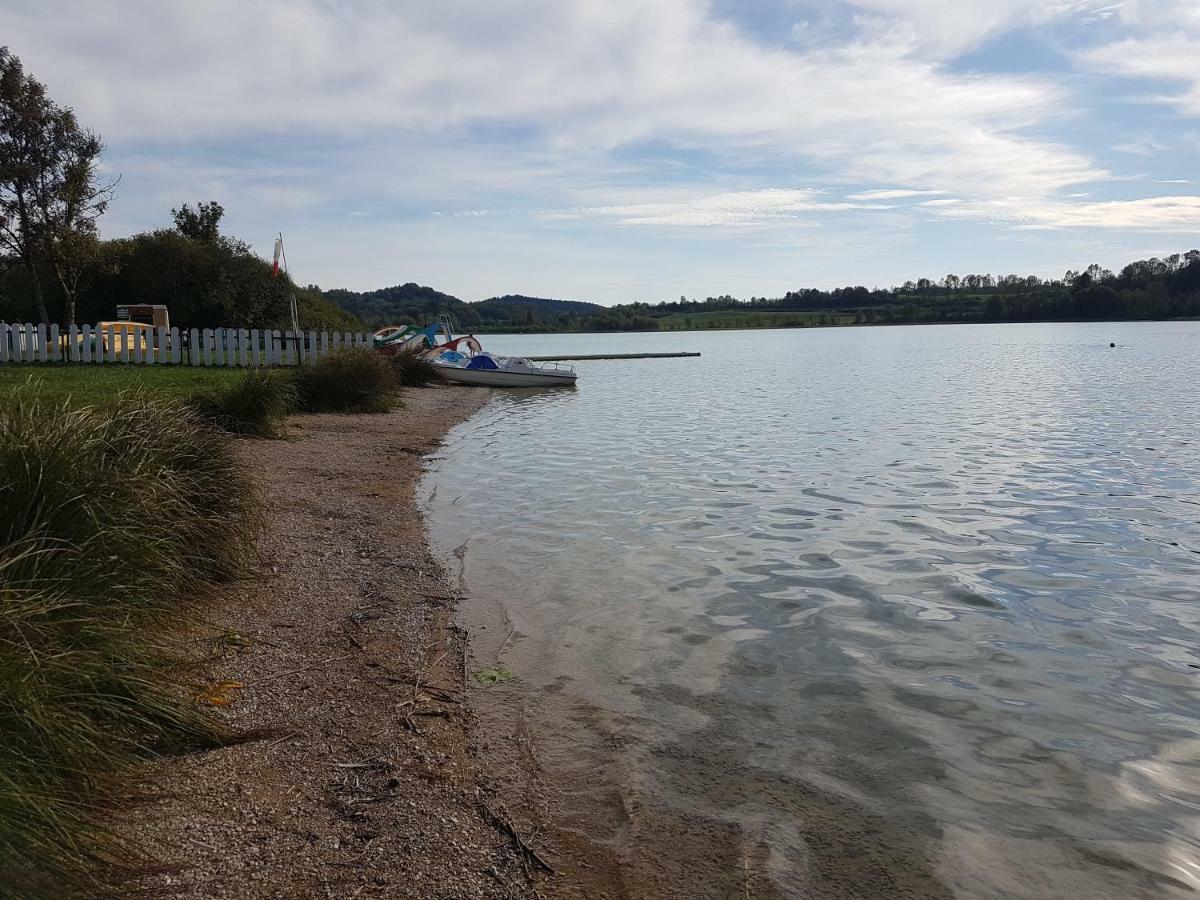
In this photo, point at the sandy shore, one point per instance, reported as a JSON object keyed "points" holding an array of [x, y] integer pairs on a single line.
{"points": [[360, 780]]}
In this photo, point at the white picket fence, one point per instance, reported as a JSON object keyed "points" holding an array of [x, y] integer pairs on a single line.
{"points": [[161, 346]]}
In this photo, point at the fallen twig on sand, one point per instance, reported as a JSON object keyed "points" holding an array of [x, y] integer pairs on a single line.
{"points": [[435, 692], [288, 736], [350, 637], [504, 825], [303, 668]]}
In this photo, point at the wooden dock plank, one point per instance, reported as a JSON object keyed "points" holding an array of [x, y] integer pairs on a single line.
{"points": [[609, 356]]}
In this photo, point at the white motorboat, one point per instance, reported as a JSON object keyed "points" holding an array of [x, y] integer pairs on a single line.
{"points": [[501, 371]]}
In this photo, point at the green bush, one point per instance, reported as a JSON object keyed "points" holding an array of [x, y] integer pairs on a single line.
{"points": [[413, 369], [254, 405], [349, 380], [112, 514]]}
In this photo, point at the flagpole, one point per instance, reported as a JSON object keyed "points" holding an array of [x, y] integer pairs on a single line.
{"points": [[292, 307]]}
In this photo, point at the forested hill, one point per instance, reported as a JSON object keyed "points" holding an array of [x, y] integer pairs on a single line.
{"points": [[416, 304], [1167, 288], [410, 303], [514, 308]]}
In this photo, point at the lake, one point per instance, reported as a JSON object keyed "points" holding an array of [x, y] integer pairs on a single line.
{"points": [[846, 612]]}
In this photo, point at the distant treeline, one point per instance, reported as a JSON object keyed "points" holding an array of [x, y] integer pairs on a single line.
{"points": [[1147, 289]]}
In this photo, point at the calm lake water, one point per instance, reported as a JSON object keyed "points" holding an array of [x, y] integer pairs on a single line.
{"points": [[853, 612]]}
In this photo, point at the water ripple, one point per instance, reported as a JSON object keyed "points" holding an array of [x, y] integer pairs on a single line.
{"points": [[939, 586]]}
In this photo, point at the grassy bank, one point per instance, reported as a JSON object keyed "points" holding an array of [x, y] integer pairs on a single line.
{"points": [[350, 380], [114, 513], [123, 504], [250, 402]]}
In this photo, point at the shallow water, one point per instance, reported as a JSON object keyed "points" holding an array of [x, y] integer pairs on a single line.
{"points": [[854, 612]]}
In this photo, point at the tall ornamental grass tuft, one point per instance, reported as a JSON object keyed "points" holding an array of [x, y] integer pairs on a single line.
{"points": [[413, 369], [254, 405], [111, 515], [349, 380]]}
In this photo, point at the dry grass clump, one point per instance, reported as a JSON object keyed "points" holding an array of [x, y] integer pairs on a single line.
{"points": [[353, 379], [413, 369], [112, 514], [254, 405]]}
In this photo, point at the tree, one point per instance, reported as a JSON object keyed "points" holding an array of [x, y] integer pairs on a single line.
{"points": [[1096, 301], [201, 223], [49, 196]]}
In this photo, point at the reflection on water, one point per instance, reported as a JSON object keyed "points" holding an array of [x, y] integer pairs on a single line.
{"points": [[856, 612]]}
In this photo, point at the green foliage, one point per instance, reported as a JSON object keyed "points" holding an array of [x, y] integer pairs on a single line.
{"points": [[49, 197], [200, 224], [493, 677], [350, 380], [55, 268], [722, 319], [1147, 289], [1153, 288], [205, 284], [414, 304], [319, 314], [517, 313], [254, 405], [412, 369], [407, 304], [112, 514]]}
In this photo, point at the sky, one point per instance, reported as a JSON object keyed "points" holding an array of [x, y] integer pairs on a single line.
{"points": [[618, 150]]}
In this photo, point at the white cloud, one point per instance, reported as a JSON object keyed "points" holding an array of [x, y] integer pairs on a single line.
{"points": [[733, 208], [1140, 147], [1173, 59], [292, 112], [1164, 48], [589, 74], [1168, 214], [1152, 14], [892, 194], [947, 28]]}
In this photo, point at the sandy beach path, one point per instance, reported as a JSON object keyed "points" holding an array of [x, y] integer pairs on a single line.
{"points": [[360, 782]]}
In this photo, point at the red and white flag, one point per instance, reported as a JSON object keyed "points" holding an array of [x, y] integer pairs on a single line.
{"points": [[278, 254]]}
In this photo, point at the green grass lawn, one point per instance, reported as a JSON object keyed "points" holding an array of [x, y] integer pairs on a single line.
{"points": [[88, 384]]}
